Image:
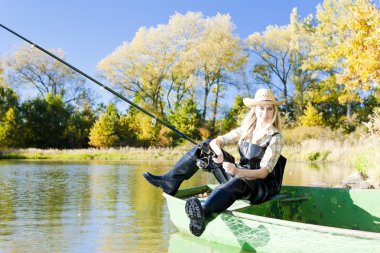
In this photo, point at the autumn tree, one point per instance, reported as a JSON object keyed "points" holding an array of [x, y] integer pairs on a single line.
{"points": [[360, 51], [9, 117], [272, 49], [105, 131], [182, 77], [218, 53], [346, 51], [311, 117], [164, 65], [300, 46], [29, 67], [9, 129], [139, 67], [2, 81]]}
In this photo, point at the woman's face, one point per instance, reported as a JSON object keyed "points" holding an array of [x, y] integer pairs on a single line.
{"points": [[264, 113]]}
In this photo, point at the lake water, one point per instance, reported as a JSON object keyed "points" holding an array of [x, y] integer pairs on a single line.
{"points": [[104, 207]]}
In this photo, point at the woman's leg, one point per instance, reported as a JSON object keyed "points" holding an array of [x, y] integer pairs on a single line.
{"points": [[219, 200], [225, 195], [184, 169]]}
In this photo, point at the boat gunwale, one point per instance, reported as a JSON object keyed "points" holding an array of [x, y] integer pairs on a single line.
{"points": [[308, 226]]}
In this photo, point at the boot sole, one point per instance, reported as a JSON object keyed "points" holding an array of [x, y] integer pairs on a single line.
{"points": [[193, 209]]}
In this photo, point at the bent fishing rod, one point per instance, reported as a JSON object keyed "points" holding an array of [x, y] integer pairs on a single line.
{"points": [[104, 86]]}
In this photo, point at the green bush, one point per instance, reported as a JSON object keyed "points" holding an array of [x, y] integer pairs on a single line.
{"points": [[361, 164], [313, 156]]}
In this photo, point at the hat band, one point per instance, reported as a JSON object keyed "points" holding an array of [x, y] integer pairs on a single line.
{"points": [[265, 100]]}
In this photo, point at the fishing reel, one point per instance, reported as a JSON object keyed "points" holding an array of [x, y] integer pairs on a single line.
{"points": [[203, 163], [205, 156]]}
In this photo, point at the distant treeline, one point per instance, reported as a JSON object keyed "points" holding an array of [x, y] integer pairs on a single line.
{"points": [[326, 66]]}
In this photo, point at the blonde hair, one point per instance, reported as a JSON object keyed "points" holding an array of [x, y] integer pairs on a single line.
{"points": [[249, 123]]}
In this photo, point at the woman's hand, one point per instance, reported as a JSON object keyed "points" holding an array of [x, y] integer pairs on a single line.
{"points": [[215, 146], [230, 168]]}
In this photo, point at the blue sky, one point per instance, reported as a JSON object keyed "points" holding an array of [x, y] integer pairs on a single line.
{"points": [[88, 31]]}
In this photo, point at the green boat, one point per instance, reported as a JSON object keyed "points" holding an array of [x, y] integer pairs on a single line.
{"points": [[299, 219]]}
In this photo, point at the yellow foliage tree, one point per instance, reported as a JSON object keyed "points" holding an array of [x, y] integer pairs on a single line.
{"points": [[361, 50], [163, 65], [311, 117], [2, 82], [104, 133], [8, 129], [346, 45]]}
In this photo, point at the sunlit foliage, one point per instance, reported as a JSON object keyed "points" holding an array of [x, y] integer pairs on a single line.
{"points": [[104, 133], [166, 64], [346, 46], [311, 117]]}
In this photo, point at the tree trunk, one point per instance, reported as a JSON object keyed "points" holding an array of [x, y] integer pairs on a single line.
{"points": [[349, 110], [215, 109], [207, 91]]}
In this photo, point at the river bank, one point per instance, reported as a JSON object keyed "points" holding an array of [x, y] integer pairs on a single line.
{"points": [[359, 154]]}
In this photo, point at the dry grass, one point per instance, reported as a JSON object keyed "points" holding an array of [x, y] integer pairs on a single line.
{"points": [[362, 154], [112, 154]]}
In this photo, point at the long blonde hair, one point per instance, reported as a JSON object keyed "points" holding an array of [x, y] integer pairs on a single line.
{"points": [[249, 123]]}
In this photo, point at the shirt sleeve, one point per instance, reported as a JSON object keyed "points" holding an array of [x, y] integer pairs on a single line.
{"points": [[272, 153], [233, 136]]}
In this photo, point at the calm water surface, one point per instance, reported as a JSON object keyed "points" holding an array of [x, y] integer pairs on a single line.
{"points": [[104, 207]]}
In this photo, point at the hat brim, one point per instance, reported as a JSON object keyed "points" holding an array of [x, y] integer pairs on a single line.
{"points": [[249, 102]]}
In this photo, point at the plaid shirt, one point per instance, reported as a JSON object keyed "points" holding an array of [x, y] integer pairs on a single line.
{"points": [[273, 151]]}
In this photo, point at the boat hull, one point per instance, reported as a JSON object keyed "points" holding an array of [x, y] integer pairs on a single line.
{"points": [[238, 227]]}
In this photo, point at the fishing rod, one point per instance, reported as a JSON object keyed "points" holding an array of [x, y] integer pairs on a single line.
{"points": [[104, 86]]}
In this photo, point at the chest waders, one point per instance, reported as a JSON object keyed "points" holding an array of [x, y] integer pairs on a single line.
{"points": [[256, 190]]}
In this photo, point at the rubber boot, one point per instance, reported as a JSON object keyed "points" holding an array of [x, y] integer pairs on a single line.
{"points": [[218, 201], [184, 169], [194, 211]]}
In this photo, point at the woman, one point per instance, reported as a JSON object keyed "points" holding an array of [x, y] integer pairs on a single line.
{"points": [[257, 177]]}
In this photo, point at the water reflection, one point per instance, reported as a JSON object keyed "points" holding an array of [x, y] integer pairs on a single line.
{"points": [[315, 174], [100, 207], [183, 243]]}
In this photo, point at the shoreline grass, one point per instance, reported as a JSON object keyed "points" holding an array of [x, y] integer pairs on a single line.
{"points": [[111, 154], [361, 154]]}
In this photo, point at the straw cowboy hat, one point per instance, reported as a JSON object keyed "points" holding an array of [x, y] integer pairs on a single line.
{"points": [[262, 97]]}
